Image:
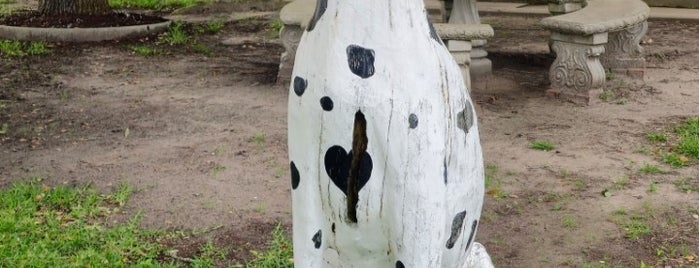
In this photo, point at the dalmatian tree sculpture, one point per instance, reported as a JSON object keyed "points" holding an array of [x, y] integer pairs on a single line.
{"points": [[386, 163]]}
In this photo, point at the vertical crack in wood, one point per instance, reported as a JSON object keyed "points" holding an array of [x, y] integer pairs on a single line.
{"points": [[359, 146]]}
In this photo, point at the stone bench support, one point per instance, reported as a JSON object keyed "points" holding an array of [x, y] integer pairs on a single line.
{"points": [[459, 39], [577, 73], [602, 35]]}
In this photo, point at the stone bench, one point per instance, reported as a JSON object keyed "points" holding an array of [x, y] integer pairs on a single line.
{"points": [[603, 34], [296, 15]]}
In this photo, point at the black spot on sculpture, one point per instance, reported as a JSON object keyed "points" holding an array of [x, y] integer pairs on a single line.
{"points": [[412, 120], [473, 233], [445, 171], [433, 32], [321, 6], [327, 103], [399, 264], [295, 176], [456, 226], [337, 166], [465, 118], [300, 85], [317, 239], [361, 61]]}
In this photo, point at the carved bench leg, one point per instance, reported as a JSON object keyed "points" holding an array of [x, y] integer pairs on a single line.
{"points": [[623, 51], [290, 36], [577, 73], [461, 51]]}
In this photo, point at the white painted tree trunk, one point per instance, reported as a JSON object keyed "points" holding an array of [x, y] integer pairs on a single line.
{"points": [[386, 163]]}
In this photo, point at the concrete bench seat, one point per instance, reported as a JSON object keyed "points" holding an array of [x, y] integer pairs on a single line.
{"points": [[296, 15], [603, 34]]}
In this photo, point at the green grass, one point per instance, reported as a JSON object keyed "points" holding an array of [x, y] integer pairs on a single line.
{"points": [[542, 145], [144, 50], [275, 27], [687, 185], [211, 27], [202, 49], [675, 160], [635, 228], [650, 169], [493, 182], [259, 138], [154, 4], [42, 226], [61, 226], [176, 34], [14, 48], [689, 133], [279, 253], [680, 146], [4, 129], [656, 137], [569, 222]]}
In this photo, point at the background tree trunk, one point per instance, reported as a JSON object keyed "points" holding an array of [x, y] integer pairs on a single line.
{"points": [[75, 7]]}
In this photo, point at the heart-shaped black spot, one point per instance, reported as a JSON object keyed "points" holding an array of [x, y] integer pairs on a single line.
{"points": [[337, 166]]}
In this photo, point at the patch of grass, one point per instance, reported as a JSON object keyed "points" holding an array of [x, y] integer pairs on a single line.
{"points": [[279, 253], [675, 160], [621, 182], [580, 184], [542, 145], [689, 133], [216, 169], [209, 204], [687, 185], [275, 28], [680, 146], [218, 150], [208, 255], [635, 228], [259, 138], [199, 48], [650, 169], [606, 95], [176, 34], [4, 129], [14, 48], [493, 182], [652, 187], [43, 226], [154, 4], [569, 222], [144, 50], [211, 27], [656, 137]]}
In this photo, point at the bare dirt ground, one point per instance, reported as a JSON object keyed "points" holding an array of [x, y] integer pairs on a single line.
{"points": [[203, 140]]}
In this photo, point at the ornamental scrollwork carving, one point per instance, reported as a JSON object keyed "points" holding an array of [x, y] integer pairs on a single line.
{"points": [[576, 67], [627, 41]]}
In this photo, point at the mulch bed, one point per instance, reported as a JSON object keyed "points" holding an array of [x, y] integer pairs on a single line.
{"points": [[36, 19]]}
